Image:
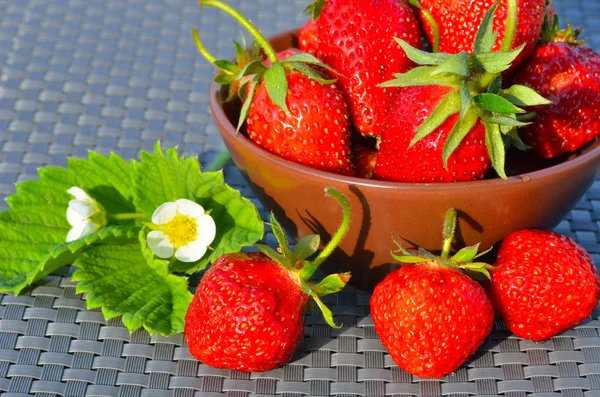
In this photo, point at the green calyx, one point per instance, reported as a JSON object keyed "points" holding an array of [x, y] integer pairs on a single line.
{"points": [[297, 260], [250, 71], [464, 260], [314, 9], [551, 33], [435, 46], [477, 94]]}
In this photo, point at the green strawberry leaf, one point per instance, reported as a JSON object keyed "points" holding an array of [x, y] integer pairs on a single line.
{"points": [[306, 247], [497, 62], [496, 85], [246, 99], [238, 220], [521, 95], [466, 100], [331, 284], [510, 120], [458, 134], [423, 76], [324, 309], [466, 255], [107, 179], [274, 255], [280, 236], [448, 106], [421, 57], [495, 145], [277, 85], [120, 279], [226, 66], [495, 103], [456, 64], [314, 9], [310, 72], [224, 79], [255, 67], [485, 38]]}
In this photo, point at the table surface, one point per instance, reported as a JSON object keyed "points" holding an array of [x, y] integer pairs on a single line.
{"points": [[116, 75]]}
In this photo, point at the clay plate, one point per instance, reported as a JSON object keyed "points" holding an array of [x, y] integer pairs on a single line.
{"points": [[489, 210]]}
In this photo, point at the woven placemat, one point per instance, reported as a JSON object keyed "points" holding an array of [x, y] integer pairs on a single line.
{"points": [[118, 75]]}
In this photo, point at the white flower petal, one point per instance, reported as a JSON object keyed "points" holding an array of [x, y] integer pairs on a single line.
{"points": [[79, 194], [189, 208], [164, 214], [160, 244], [74, 218], [76, 232], [206, 230], [192, 252], [82, 208]]}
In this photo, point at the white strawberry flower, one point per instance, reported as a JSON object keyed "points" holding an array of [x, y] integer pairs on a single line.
{"points": [[184, 229], [83, 214]]}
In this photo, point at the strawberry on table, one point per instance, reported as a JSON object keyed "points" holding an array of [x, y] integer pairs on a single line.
{"points": [[453, 117], [291, 108], [454, 23], [543, 284], [356, 40], [568, 74], [248, 311], [429, 315]]}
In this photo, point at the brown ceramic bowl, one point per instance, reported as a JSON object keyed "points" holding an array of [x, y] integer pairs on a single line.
{"points": [[489, 210]]}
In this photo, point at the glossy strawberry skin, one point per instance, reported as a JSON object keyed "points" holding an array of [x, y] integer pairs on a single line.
{"points": [[569, 76], [307, 38], [246, 315], [356, 38], [316, 133], [543, 284], [430, 318], [423, 162], [457, 32]]}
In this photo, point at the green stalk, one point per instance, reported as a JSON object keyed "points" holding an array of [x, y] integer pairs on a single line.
{"points": [[209, 57], [449, 229], [219, 162], [509, 38], [312, 267], [260, 39], [432, 23], [128, 216]]}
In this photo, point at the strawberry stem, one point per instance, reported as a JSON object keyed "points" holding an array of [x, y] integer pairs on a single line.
{"points": [[209, 57], [449, 229], [511, 26], [312, 267], [509, 37], [219, 162], [432, 23], [260, 39]]}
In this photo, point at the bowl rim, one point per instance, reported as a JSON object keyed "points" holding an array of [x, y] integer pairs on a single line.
{"points": [[221, 118]]}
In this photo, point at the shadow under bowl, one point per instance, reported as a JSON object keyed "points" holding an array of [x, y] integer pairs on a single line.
{"points": [[489, 210]]}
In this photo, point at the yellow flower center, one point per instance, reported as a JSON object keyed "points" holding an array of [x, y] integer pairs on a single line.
{"points": [[181, 231]]}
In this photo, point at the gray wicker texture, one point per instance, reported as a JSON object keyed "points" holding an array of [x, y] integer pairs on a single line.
{"points": [[118, 75]]}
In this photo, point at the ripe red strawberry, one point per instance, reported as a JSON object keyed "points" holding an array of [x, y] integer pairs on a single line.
{"points": [[429, 315], [248, 311], [569, 75], [364, 158], [459, 20], [423, 162], [453, 118], [308, 40], [356, 40], [543, 284], [291, 108]]}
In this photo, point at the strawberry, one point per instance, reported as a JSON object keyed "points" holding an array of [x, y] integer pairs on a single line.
{"points": [[356, 40], [457, 33], [543, 284], [568, 74], [453, 118], [248, 311], [291, 108], [308, 40], [429, 315], [422, 162]]}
